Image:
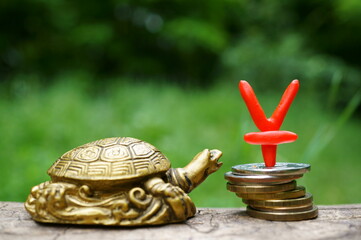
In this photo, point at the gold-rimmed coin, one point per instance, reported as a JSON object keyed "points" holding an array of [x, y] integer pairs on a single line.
{"points": [[296, 193], [264, 183], [284, 209], [283, 216], [261, 188], [238, 178], [281, 203]]}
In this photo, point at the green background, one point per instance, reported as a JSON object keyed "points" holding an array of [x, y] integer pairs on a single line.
{"points": [[167, 73]]}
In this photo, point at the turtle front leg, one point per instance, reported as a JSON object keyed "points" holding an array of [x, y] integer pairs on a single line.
{"points": [[157, 187], [172, 196], [202, 165]]}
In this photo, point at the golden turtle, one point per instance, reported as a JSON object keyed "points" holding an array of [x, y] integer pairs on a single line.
{"points": [[119, 181]]}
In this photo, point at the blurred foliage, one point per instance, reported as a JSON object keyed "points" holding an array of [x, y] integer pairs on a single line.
{"points": [[192, 43]]}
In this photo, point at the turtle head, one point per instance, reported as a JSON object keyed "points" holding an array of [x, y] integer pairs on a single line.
{"points": [[202, 165]]}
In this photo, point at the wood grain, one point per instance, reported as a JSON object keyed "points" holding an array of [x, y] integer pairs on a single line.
{"points": [[334, 222]]}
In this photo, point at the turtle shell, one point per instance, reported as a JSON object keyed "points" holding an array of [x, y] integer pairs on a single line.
{"points": [[115, 160]]}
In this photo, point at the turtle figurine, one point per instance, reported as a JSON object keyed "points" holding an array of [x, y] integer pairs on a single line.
{"points": [[119, 181]]}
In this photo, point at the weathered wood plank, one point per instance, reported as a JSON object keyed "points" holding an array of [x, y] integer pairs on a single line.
{"points": [[334, 222]]}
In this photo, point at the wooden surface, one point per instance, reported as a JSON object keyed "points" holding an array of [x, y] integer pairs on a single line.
{"points": [[334, 222]]}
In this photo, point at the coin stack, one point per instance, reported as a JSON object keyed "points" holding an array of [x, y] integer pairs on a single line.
{"points": [[272, 193]]}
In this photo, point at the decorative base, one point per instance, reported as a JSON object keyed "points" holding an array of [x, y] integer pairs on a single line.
{"points": [[67, 203]]}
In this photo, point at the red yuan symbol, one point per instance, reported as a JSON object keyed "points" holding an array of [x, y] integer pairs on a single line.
{"points": [[270, 135]]}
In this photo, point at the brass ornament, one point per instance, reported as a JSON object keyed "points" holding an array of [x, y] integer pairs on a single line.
{"points": [[119, 181]]}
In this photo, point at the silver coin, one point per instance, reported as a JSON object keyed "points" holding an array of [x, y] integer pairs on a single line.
{"points": [[260, 178], [278, 170]]}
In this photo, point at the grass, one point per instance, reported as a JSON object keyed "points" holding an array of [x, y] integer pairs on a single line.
{"points": [[39, 124]]}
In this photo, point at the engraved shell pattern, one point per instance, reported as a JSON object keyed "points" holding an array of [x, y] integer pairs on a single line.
{"points": [[118, 158]]}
